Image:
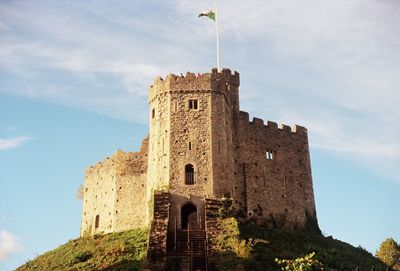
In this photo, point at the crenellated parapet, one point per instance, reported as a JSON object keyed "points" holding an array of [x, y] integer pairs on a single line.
{"points": [[226, 76], [244, 120], [219, 81]]}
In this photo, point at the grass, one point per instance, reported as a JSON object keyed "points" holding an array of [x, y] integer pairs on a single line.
{"points": [[126, 251], [285, 244], [115, 251]]}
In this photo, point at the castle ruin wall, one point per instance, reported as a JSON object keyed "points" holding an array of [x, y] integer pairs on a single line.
{"points": [[98, 198], [114, 193]]}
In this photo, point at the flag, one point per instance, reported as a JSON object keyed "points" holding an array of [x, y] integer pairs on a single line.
{"points": [[212, 14], [209, 13]]}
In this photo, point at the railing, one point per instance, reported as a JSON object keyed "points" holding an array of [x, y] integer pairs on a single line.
{"points": [[206, 241], [191, 243], [186, 242], [176, 223], [188, 236]]}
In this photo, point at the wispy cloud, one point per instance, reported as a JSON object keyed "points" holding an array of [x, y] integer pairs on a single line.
{"points": [[333, 66], [9, 244], [12, 143]]}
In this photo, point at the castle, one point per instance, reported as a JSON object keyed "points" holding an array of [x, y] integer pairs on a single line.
{"points": [[201, 147]]}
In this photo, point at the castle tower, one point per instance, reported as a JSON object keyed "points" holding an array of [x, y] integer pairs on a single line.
{"points": [[191, 139], [200, 147]]}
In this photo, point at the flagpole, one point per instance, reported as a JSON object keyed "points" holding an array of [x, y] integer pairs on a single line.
{"points": [[216, 29]]}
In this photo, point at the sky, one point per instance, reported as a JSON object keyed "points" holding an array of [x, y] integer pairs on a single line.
{"points": [[73, 89]]}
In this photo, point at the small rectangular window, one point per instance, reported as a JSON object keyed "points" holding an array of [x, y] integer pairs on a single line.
{"points": [[269, 155], [193, 104], [153, 113]]}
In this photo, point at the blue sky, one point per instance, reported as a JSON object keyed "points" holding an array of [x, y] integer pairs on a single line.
{"points": [[73, 85]]}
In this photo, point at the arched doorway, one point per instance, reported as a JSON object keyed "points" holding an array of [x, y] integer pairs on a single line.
{"points": [[189, 216]]}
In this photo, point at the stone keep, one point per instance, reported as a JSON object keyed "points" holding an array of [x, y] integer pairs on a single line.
{"points": [[201, 146]]}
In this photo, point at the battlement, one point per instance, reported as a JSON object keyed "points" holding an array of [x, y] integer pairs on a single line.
{"points": [[257, 122], [226, 76], [194, 82]]}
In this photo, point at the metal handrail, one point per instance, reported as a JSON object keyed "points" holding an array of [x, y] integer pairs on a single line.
{"points": [[175, 234], [206, 241]]}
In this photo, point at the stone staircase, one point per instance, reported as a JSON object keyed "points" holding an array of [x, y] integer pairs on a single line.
{"points": [[190, 244], [181, 249], [186, 243]]}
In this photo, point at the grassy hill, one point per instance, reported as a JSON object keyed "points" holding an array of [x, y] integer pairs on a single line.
{"points": [[333, 254], [127, 250], [115, 251]]}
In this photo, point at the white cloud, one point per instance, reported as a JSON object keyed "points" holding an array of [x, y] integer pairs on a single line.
{"points": [[332, 66], [9, 244], [12, 143]]}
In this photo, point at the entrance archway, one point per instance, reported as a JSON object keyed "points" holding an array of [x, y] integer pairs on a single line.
{"points": [[189, 216]]}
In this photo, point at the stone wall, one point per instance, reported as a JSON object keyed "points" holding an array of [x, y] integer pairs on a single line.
{"points": [[157, 248], [273, 172], [159, 138], [115, 191], [190, 143], [224, 104], [131, 207], [99, 198]]}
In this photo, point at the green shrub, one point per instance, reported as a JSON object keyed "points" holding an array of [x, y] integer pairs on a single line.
{"points": [[306, 263]]}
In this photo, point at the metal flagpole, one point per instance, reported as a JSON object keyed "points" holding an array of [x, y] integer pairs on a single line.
{"points": [[216, 29]]}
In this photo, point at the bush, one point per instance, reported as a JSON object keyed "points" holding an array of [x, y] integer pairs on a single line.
{"points": [[389, 253], [232, 250], [306, 263]]}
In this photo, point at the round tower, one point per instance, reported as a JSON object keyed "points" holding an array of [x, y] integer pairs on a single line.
{"points": [[190, 141]]}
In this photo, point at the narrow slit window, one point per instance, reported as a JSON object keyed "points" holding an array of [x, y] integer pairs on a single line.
{"points": [[153, 113], [193, 104], [190, 146], [285, 183], [97, 222]]}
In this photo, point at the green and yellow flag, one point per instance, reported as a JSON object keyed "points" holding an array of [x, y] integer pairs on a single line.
{"points": [[212, 14], [209, 13]]}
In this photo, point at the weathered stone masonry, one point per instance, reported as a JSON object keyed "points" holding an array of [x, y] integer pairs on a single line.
{"points": [[115, 193], [201, 146]]}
